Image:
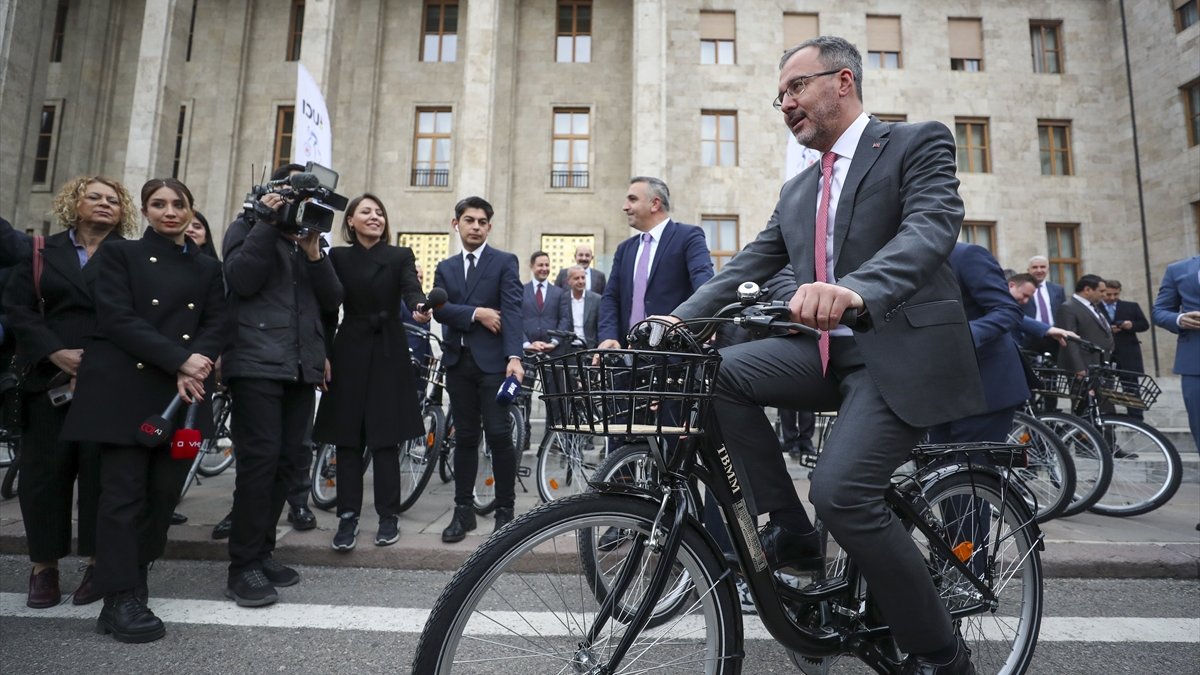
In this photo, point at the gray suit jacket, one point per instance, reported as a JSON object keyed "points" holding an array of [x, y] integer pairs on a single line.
{"points": [[898, 218], [591, 316], [1074, 316], [598, 280]]}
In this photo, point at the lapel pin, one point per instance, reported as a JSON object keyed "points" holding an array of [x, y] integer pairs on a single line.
{"points": [[875, 145]]}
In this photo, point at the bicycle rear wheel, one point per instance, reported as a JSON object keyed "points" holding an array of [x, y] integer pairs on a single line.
{"points": [[1090, 454], [1147, 470], [565, 463], [324, 477], [989, 523], [523, 603], [485, 478], [418, 457], [1049, 471], [218, 450]]}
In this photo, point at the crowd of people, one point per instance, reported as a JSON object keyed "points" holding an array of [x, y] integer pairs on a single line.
{"points": [[123, 325]]}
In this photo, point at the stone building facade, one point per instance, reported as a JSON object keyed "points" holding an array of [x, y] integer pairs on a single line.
{"points": [[680, 89]]}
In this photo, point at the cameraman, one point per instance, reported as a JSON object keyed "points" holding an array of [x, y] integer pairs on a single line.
{"points": [[279, 282]]}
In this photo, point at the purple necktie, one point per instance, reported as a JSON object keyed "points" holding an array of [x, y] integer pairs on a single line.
{"points": [[640, 274], [1042, 309]]}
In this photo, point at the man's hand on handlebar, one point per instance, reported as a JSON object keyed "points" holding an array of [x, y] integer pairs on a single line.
{"points": [[821, 305], [1061, 335]]}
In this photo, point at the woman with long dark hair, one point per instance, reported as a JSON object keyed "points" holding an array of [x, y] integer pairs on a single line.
{"points": [[160, 326], [372, 400]]}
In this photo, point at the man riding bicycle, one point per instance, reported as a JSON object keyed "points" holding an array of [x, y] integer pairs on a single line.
{"points": [[868, 229]]}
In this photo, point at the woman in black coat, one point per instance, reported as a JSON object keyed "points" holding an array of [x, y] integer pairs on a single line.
{"points": [[372, 396], [161, 325], [50, 331]]}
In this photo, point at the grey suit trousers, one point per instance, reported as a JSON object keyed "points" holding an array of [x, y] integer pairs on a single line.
{"points": [[865, 446]]}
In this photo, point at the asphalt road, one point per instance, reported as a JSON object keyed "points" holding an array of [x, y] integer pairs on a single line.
{"points": [[353, 620]]}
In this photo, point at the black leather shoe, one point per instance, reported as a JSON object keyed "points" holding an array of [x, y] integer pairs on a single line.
{"points": [[504, 516], [43, 589], [785, 548], [961, 665], [86, 594], [129, 620], [222, 529], [301, 518], [178, 518], [611, 539], [462, 523]]}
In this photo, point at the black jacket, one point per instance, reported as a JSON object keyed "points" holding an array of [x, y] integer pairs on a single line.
{"points": [[276, 296], [156, 305]]}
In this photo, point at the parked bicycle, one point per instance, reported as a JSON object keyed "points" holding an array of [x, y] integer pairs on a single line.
{"points": [[542, 595], [216, 453]]}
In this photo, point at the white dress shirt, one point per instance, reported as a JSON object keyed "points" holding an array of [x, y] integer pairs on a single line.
{"points": [[844, 147], [577, 313], [656, 234]]}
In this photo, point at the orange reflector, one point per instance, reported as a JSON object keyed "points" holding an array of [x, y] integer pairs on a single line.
{"points": [[553, 484], [964, 550], [329, 482], [489, 481], [429, 439]]}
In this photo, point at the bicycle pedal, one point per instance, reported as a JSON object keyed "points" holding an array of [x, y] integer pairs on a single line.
{"points": [[524, 472]]}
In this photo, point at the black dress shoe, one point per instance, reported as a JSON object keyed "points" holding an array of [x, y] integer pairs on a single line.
{"points": [[504, 516], [86, 594], [301, 518], [462, 523], [961, 665], [129, 620], [43, 589], [785, 548], [178, 518], [222, 529], [611, 539]]}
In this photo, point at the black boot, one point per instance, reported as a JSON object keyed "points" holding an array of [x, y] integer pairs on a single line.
{"points": [[504, 516], [462, 523], [128, 619]]}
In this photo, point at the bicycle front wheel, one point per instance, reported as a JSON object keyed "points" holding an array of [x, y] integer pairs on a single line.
{"points": [[1089, 453], [990, 527], [1049, 471], [524, 603], [324, 477], [418, 457], [565, 463], [1147, 470]]}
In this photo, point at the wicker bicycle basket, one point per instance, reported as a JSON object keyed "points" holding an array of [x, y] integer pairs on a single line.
{"points": [[1057, 382], [628, 393], [1125, 387]]}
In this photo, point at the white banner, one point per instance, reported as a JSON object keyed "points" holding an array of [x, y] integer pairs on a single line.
{"points": [[312, 139], [799, 158]]}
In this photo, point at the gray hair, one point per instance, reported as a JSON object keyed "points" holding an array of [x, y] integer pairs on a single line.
{"points": [[572, 268], [657, 189], [1039, 258], [835, 53]]}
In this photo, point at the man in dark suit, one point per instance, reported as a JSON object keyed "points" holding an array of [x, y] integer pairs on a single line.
{"points": [[481, 342], [655, 270], [1081, 315], [1127, 320], [1177, 309], [1022, 287], [1046, 300], [582, 307], [592, 277], [541, 307], [869, 228]]}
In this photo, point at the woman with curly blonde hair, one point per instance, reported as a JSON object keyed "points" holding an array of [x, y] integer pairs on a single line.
{"points": [[52, 317]]}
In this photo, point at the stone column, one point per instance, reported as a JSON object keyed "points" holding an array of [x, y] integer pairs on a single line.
{"points": [[317, 46], [155, 96], [475, 119], [648, 153], [25, 30]]}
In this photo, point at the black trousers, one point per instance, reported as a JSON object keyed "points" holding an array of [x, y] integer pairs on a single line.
{"points": [[473, 400], [270, 421], [49, 470], [796, 428], [865, 446], [139, 491], [350, 472]]}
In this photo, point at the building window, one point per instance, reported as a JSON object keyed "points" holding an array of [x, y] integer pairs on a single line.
{"points": [[1054, 142], [431, 148], [285, 120], [561, 248], [295, 31], [574, 41], [721, 235], [1046, 40], [177, 157], [429, 248], [718, 138], [799, 27], [979, 232], [891, 117], [571, 143], [1186, 13], [1191, 111], [1062, 244], [717, 31], [191, 31], [440, 39], [971, 137], [883, 42], [43, 158], [966, 44], [60, 30]]}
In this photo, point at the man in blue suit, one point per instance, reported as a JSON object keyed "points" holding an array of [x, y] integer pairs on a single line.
{"points": [[481, 346], [541, 307], [1047, 298], [655, 271], [1177, 309], [1022, 287]]}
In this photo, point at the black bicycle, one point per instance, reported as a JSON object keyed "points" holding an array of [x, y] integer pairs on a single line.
{"points": [[543, 594]]}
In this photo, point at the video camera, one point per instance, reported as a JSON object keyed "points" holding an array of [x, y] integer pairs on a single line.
{"points": [[309, 196]]}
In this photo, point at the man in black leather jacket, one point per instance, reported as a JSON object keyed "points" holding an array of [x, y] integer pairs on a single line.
{"points": [[279, 283]]}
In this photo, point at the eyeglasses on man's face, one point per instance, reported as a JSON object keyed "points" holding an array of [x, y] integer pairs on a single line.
{"points": [[798, 85]]}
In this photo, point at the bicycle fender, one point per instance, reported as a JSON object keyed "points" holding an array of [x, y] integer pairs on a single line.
{"points": [[941, 473], [627, 490]]}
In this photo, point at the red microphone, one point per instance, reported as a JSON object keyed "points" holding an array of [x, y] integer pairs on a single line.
{"points": [[186, 442]]}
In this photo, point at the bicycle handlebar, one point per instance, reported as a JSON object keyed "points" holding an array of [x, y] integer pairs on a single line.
{"points": [[1087, 345], [576, 341]]}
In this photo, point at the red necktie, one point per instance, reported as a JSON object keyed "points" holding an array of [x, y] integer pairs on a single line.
{"points": [[541, 301], [819, 262]]}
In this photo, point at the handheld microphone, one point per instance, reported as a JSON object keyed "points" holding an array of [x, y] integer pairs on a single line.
{"points": [[509, 389], [186, 442], [297, 181], [155, 429], [436, 298]]}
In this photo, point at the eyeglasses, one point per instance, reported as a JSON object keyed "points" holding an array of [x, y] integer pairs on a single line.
{"points": [[797, 87]]}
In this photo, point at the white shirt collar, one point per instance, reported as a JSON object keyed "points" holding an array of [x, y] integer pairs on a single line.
{"points": [[1086, 303], [657, 231], [848, 141], [478, 253]]}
